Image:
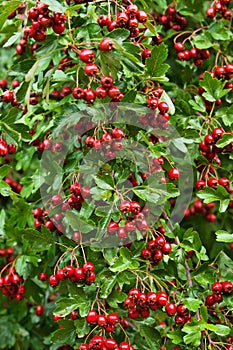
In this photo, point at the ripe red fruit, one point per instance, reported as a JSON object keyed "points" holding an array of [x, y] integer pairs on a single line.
{"points": [[117, 133], [107, 81], [39, 311], [179, 46], [3, 83], [110, 343], [53, 281], [141, 16], [209, 140], [217, 133], [91, 69], [211, 217], [60, 274], [88, 267], [43, 276], [133, 313], [166, 248], [87, 56], [112, 319], [173, 174], [92, 317], [217, 287], [100, 92], [101, 320], [223, 181], [59, 28], [162, 298], [200, 184], [210, 12], [182, 310], [134, 293], [3, 149], [78, 93], [106, 44], [125, 207], [90, 277], [114, 92], [8, 96], [146, 254], [79, 274], [170, 309], [89, 142], [227, 287], [212, 182], [210, 301], [103, 20], [89, 96], [112, 227]]}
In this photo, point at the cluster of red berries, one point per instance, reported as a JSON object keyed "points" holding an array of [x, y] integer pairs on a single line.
{"points": [[135, 219], [77, 195], [197, 55], [99, 343], [105, 89], [7, 253], [83, 274], [140, 304], [208, 148], [213, 182], [129, 19], [42, 218], [155, 250], [47, 144], [15, 186], [172, 19], [218, 289], [41, 20], [109, 143], [5, 148], [12, 285], [200, 208], [220, 8], [4, 83], [108, 322], [59, 94]]}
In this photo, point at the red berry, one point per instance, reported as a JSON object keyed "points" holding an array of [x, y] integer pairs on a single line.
{"points": [[53, 281], [87, 56], [112, 319], [43, 276], [91, 69], [106, 44], [92, 317], [217, 287], [173, 174], [39, 310], [170, 309]]}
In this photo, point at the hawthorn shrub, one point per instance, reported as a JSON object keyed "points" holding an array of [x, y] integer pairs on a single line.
{"points": [[116, 175]]}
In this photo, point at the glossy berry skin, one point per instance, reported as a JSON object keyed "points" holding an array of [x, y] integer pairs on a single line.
{"points": [[217, 134], [146, 254], [87, 56], [39, 311], [91, 69], [166, 248], [78, 93], [88, 267], [227, 287], [125, 207], [43, 276], [92, 317], [162, 298], [53, 281], [8, 96], [173, 174], [210, 301], [179, 46], [117, 133], [217, 287], [107, 81], [112, 319], [106, 44], [170, 309]]}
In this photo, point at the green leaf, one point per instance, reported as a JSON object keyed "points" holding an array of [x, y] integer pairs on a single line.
{"points": [[4, 170], [214, 88], [203, 40], [102, 184], [82, 327], [55, 6], [5, 189], [193, 338], [192, 304], [124, 261], [78, 223], [119, 34], [107, 285], [9, 7], [115, 298], [65, 306], [209, 194], [151, 335], [155, 64], [224, 236], [66, 335], [219, 31], [222, 330], [225, 140], [2, 222], [23, 264], [12, 39]]}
